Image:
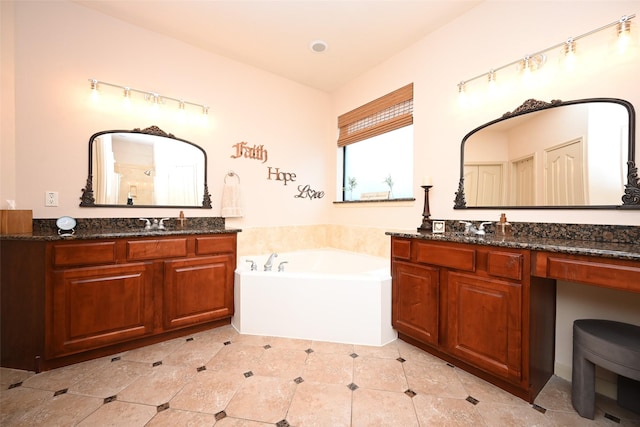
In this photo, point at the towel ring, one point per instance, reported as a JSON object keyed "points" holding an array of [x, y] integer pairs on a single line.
{"points": [[231, 174]]}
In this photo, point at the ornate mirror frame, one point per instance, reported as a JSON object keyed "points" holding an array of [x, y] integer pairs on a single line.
{"points": [[630, 198], [88, 200]]}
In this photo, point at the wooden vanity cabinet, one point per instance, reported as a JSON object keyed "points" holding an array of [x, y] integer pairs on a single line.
{"points": [[99, 297], [475, 306]]}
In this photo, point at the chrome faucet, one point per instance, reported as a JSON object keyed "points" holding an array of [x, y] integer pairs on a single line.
{"points": [[269, 264], [469, 228], [281, 265]]}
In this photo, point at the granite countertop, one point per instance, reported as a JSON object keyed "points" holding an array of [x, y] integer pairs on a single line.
{"points": [[628, 251], [111, 233]]}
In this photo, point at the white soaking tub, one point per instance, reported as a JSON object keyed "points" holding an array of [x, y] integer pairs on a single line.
{"points": [[323, 295]]}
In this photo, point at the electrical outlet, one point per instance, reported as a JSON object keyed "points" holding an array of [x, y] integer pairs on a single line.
{"points": [[51, 198]]}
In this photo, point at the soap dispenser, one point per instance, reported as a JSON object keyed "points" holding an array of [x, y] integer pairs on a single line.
{"points": [[504, 227], [181, 220]]}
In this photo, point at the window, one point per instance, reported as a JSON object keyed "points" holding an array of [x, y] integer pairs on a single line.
{"points": [[377, 144]]}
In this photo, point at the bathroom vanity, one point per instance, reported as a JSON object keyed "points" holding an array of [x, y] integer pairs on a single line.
{"points": [[68, 300], [487, 305]]}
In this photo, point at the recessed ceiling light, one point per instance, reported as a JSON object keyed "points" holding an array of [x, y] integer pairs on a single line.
{"points": [[318, 46]]}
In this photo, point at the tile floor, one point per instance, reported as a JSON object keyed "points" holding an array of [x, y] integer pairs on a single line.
{"points": [[221, 378]]}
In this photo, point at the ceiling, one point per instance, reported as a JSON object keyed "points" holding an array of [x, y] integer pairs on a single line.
{"points": [[276, 35]]}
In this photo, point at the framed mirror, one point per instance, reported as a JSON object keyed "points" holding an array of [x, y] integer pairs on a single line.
{"points": [[145, 168], [545, 155]]}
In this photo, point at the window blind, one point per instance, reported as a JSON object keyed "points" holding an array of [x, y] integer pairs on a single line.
{"points": [[382, 115]]}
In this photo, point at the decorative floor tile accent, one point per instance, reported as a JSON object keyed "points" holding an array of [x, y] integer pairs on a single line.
{"points": [[220, 415], [201, 368], [410, 393], [472, 400], [158, 363], [352, 387], [401, 360], [115, 359], [354, 355], [15, 385], [298, 380], [308, 351], [189, 339], [539, 408], [59, 392], [110, 399], [283, 423], [267, 347], [226, 342], [162, 407], [248, 374], [612, 417], [450, 365]]}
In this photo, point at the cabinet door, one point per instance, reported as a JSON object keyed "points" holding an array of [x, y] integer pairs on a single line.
{"points": [[96, 306], [197, 290], [485, 324], [415, 301]]}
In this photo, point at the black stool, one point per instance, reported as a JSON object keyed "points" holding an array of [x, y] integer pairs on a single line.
{"points": [[612, 345]]}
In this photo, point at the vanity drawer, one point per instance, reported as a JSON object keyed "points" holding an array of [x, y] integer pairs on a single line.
{"points": [[446, 256], [84, 254], [400, 248], [153, 249], [505, 264], [215, 244]]}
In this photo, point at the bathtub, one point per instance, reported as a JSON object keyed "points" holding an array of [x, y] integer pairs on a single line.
{"points": [[322, 295]]}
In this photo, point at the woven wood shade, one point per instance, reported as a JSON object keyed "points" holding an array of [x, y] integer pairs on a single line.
{"points": [[382, 115]]}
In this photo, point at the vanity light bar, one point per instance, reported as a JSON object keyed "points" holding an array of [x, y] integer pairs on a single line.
{"points": [[535, 60], [152, 97]]}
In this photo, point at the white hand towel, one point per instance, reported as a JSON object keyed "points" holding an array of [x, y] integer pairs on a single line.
{"points": [[231, 205]]}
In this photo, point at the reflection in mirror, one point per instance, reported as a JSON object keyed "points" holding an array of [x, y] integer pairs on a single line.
{"points": [[576, 154], [147, 168]]}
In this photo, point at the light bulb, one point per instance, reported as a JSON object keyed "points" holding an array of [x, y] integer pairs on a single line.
{"points": [[569, 57]]}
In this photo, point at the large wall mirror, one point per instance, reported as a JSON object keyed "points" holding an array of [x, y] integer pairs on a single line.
{"points": [[145, 168], [574, 154]]}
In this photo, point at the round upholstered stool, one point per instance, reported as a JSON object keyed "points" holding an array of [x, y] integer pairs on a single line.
{"points": [[614, 346]]}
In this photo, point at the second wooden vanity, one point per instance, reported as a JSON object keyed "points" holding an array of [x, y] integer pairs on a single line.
{"points": [[68, 300], [490, 309]]}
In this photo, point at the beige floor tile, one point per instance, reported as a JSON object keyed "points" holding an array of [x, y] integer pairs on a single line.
{"points": [[329, 368], [486, 392], [209, 392], [443, 411], [331, 347], [409, 352], [110, 379], [264, 399], [257, 340], [320, 405], [17, 402], [503, 415], [433, 379], [556, 395], [236, 357], [155, 352], [382, 408], [573, 419], [221, 334], [10, 376], [194, 354], [174, 417], [389, 351], [158, 386], [379, 374], [237, 422], [281, 362], [290, 343], [63, 410], [118, 414], [65, 377]]}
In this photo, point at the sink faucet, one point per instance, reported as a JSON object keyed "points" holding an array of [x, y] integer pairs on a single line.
{"points": [[469, 228], [269, 264]]}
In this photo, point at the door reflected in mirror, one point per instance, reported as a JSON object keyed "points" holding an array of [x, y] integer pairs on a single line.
{"points": [[146, 168], [573, 154]]}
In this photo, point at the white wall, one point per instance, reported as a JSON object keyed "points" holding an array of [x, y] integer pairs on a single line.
{"points": [[59, 45]]}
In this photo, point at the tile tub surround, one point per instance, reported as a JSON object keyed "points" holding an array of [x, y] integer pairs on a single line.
{"points": [[223, 378]]}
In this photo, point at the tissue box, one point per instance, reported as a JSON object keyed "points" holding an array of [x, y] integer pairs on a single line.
{"points": [[16, 221]]}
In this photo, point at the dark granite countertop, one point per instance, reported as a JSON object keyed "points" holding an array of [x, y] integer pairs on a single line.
{"points": [[628, 251], [110, 233]]}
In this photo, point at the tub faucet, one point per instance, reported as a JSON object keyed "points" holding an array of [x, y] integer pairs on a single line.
{"points": [[269, 264], [281, 265]]}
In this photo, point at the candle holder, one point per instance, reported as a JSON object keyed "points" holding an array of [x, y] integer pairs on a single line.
{"points": [[426, 225]]}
